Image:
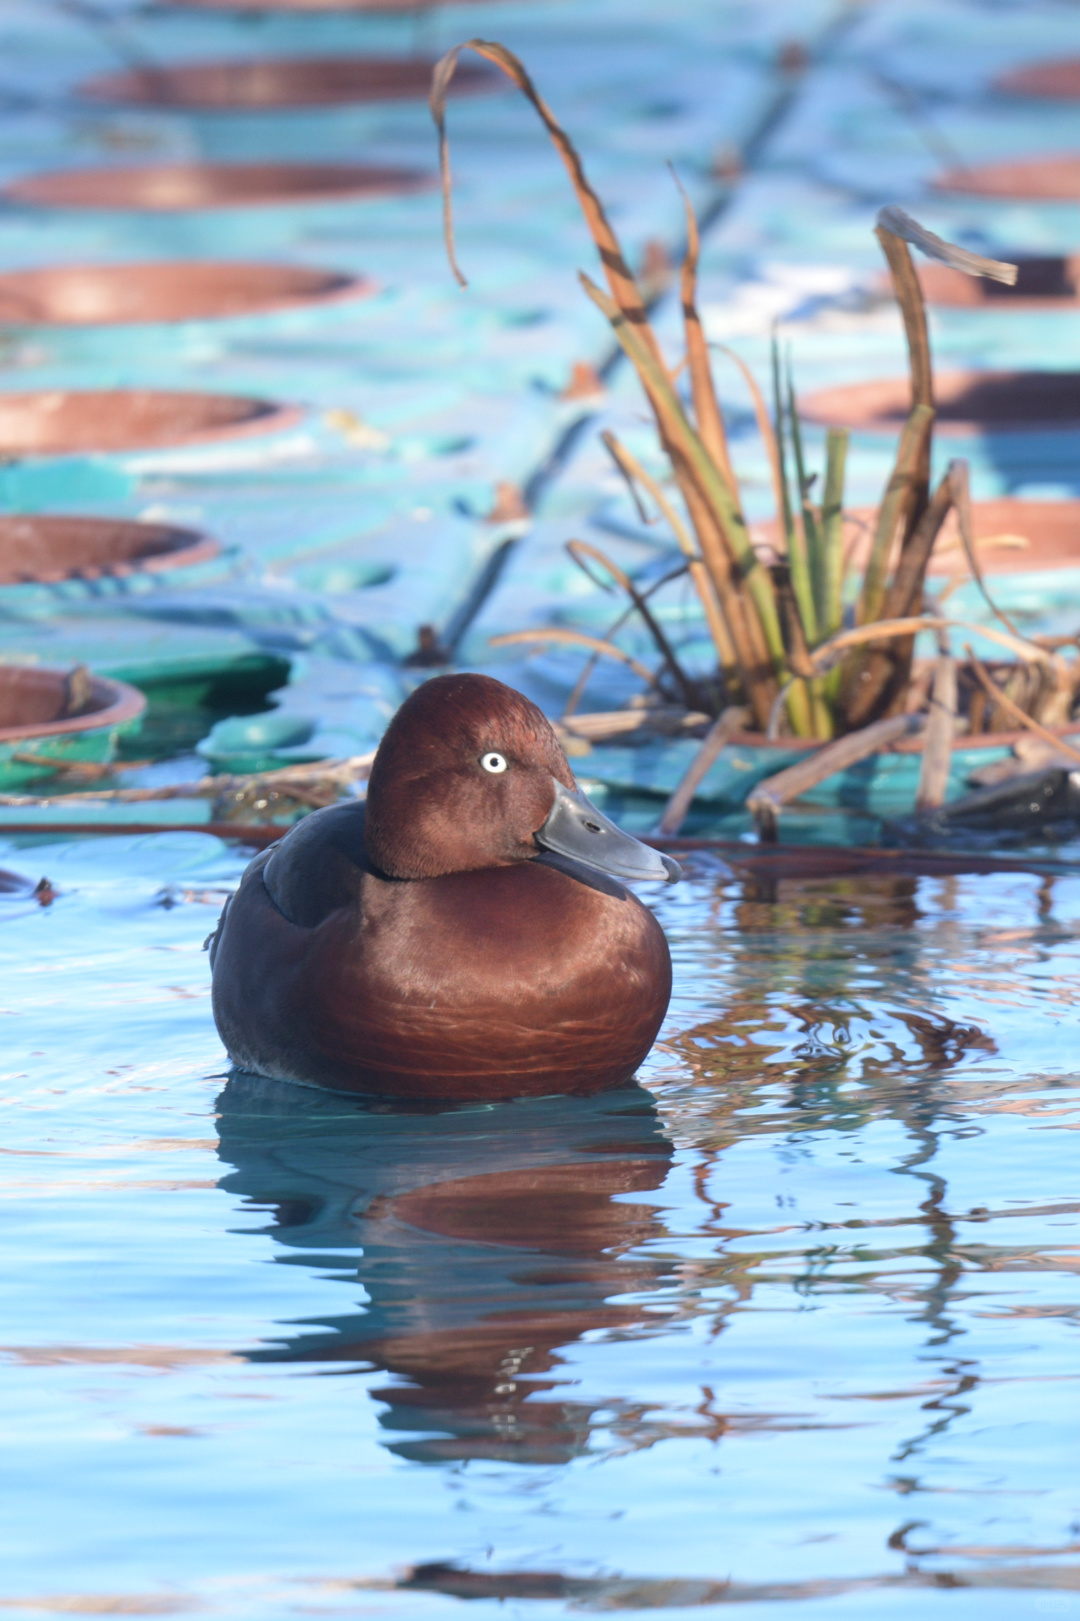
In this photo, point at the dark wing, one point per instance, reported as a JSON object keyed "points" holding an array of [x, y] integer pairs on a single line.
{"points": [[210, 944], [319, 865]]}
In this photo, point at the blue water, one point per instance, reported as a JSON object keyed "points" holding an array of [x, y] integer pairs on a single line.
{"points": [[792, 1320]]}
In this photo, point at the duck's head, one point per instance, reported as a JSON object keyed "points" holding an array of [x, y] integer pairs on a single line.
{"points": [[470, 775]]}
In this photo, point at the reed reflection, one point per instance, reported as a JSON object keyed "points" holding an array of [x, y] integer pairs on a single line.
{"points": [[837, 998], [829, 1002], [484, 1240]]}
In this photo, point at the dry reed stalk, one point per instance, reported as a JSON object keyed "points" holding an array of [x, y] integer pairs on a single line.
{"points": [[716, 516], [940, 731], [576, 638], [829, 575], [791, 582], [768, 798], [876, 680], [580, 549], [829, 654], [778, 630], [696, 454], [910, 486], [599, 726], [909, 296], [822, 657], [962, 502], [633, 473], [621, 279], [707, 411], [875, 677], [1015, 713], [769, 438], [591, 662], [732, 721], [894, 521], [320, 777], [803, 542], [886, 670], [906, 589], [901, 224]]}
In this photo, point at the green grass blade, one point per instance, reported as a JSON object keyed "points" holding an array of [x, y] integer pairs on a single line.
{"points": [[829, 578], [803, 548]]}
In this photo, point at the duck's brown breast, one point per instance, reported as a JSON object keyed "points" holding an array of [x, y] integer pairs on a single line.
{"points": [[512, 981]]}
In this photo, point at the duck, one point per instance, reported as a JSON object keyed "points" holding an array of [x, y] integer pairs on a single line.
{"points": [[462, 934]]}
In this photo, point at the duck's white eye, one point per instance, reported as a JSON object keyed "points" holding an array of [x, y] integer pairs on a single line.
{"points": [[493, 763]]}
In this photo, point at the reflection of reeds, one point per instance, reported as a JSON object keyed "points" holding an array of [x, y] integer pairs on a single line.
{"points": [[800, 1039], [836, 1017], [777, 618], [832, 1006]]}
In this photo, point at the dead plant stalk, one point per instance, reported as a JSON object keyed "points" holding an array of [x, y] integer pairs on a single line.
{"points": [[787, 650]]}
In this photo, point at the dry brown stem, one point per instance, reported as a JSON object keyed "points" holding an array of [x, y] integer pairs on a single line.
{"points": [[940, 731], [770, 796], [733, 720], [1013, 710], [576, 638], [581, 549]]}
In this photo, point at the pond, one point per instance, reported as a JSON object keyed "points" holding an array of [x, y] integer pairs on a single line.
{"points": [[791, 1324]]}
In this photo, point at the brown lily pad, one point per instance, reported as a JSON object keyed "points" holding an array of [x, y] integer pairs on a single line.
{"points": [[110, 295]]}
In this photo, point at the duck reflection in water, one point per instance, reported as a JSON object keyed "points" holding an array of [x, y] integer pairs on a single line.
{"points": [[491, 1236]]}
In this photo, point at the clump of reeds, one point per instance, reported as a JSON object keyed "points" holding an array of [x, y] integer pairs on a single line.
{"points": [[791, 656]]}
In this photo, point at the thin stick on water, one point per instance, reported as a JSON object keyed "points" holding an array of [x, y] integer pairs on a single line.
{"points": [[110, 30], [766, 801], [734, 719], [608, 725], [910, 103], [940, 730], [298, 779]]}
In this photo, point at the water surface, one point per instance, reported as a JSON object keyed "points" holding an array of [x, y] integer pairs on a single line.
{"points": [[791, 1324]]}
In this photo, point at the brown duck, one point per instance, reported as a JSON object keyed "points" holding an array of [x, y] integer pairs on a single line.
{"points": [[462, 935]]}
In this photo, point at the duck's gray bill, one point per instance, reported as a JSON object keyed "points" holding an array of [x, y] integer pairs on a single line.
{"points": [[577, 829]]}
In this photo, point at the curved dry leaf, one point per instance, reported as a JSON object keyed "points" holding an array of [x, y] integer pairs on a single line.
{"points": [[576, 638], [900, 223]]}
